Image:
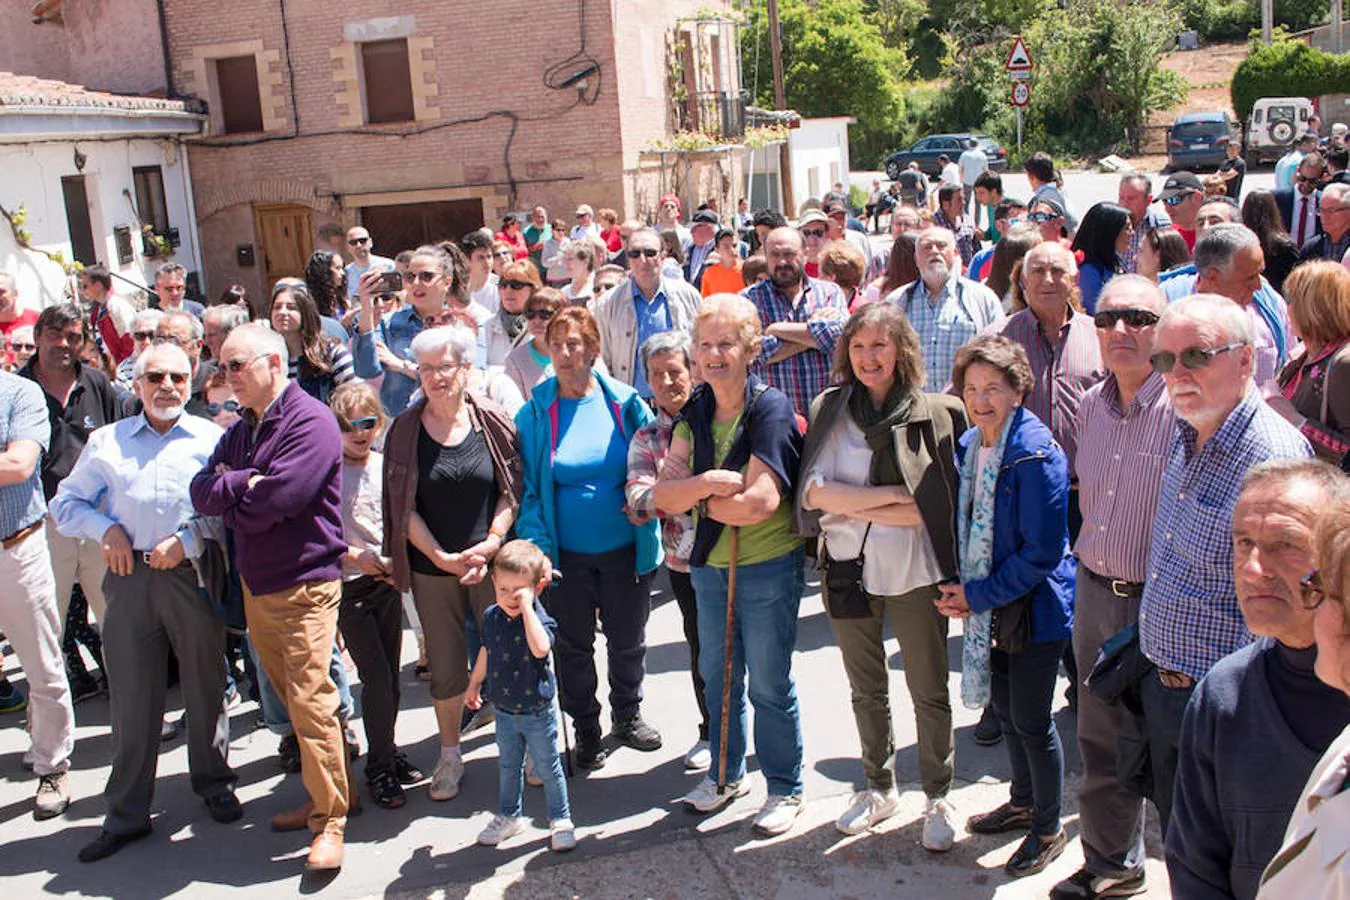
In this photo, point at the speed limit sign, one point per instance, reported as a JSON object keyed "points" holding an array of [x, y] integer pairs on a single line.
{"points": [[1021, 93]]}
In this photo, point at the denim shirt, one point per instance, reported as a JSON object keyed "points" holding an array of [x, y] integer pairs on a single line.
{"points": [[395, 331]]}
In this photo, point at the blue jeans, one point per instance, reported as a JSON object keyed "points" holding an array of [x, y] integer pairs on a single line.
{"points": [[1022, 687], [768, 596], [537, 731], [274, 711]]}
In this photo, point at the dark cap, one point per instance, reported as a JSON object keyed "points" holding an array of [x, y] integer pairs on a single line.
{"points": [[723, 233], [1180, 183], [705, 217], [834, 206]]}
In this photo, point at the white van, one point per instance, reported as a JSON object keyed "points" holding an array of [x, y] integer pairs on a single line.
{"points": [[1274, 122]]}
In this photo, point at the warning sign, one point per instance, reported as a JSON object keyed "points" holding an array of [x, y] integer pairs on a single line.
{"points": [[1021, 94], [1019, 60]]}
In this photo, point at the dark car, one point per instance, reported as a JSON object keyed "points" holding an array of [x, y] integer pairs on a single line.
{"points": [[1199, 140], [926, 152]]}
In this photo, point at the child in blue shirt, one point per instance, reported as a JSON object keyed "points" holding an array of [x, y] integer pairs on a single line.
{"points": [[512, 673]]}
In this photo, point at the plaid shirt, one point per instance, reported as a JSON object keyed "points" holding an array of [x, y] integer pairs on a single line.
{"points": [[23, 417], [805, 375], [967, 241], [646, 455], [1189, 617], [948, 321]]}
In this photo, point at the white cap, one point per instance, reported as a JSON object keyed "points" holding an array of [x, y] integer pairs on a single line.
{"points": [[1340, 128]]}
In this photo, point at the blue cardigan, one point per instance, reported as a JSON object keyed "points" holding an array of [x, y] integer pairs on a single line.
{"points": [[538, 521], [1031, 529]]}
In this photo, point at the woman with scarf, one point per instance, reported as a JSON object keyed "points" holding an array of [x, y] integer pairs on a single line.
{"points": [[879, 481], [1016, 588], [733, 458], [506, 329]]}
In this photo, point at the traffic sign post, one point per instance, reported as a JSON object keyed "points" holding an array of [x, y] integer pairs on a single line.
{"points": [[1019, 67], [1021, 93], [1019, 60]]}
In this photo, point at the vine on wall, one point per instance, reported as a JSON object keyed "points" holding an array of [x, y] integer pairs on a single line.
{"points": [[24, 239]]}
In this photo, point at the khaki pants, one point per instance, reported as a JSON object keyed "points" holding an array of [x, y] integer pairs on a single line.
{"points": [[293, 632], [922, 632], [75, 561]]}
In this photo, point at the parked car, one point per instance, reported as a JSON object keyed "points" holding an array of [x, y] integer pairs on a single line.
{"points": [[1273, 124], [926, 152], [1198, 140]]}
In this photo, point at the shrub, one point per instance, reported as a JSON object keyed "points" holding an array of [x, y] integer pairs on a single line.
{"points": [[1287, 68]]}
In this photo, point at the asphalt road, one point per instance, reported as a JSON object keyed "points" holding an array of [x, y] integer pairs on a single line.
{"points": [[634, 840]]}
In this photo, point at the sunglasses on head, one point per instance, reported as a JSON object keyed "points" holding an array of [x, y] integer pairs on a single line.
{"points": [[542, 315], [814, 232], [1192, 358], [649, 252], [229, 406], [365, 423], [516, 285], [157, 378], [1135, 318], [143, 335], [352, 242]]}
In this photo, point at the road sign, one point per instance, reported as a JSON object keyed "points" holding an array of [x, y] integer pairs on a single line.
{"points": [[1021, 93], [1019, 60]]}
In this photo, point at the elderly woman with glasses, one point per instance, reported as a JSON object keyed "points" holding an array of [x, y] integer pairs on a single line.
{"points": [[574, 435], [451, 490], [317, 362]]}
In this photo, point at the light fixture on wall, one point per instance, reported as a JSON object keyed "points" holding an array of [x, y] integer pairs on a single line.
{"points": [[80, 160]]}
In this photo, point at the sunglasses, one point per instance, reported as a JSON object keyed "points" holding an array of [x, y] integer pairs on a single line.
{"points": [[352, 242], [423, 277], [235, 366], [143, 335], [1312, 591], [542, 315], [649, 252], [1305, 179], [504, 254], [516, 285], [157, 378], [1135, 318], [813, 232], [1192, 358], [365, 423], [30, 348], [229, 406], [1040, 218], [1176, 199]]}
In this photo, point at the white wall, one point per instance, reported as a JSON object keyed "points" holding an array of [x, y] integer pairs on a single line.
{"points": [[32, 177], [819, 157]]}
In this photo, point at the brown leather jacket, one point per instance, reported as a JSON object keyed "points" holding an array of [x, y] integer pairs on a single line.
{"points": [[400, 472]]}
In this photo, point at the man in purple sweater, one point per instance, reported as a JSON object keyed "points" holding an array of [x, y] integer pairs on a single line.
{"points": [[275, 478]]}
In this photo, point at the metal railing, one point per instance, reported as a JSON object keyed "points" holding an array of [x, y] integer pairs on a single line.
{"points": [[714, 112]]}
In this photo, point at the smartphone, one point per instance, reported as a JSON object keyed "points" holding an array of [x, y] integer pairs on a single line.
{"points": [[391, 280]]}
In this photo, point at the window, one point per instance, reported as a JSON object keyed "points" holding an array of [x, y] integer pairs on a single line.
{"points": [[150, 205], [78, 220], [240, 102], [388, 81]]}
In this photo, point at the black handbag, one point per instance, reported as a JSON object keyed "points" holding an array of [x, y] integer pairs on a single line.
{"points": [[845, 596], [1010, 625]]}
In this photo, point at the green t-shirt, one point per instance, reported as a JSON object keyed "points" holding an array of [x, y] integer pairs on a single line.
{"points": [[535, 234], [769, 539]]}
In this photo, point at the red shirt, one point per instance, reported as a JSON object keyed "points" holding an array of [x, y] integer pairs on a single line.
{"points": [[613, 239], [1187, 235], [27, 317], [119, 345], [519, 249]]}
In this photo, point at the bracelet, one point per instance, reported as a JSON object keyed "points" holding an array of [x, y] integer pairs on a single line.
{"points": [[499, 535], [703, 508]]}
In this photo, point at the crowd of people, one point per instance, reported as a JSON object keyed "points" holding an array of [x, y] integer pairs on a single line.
{"points": [[1106, 444]]}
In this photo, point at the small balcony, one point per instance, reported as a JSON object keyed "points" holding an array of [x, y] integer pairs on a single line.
{"points": [[719, 113]]}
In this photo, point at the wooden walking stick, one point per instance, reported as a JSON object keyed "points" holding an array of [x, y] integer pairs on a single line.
{"points": [[728, 651]]}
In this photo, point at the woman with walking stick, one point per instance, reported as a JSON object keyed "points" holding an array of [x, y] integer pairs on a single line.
{"points": [[733, 459]]}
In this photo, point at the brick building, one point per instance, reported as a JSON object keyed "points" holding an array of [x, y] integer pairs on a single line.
{"points": [[423, 120]]}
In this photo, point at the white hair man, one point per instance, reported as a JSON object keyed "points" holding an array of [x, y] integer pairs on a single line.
{"points": [[1334, 214], [143, 326]]}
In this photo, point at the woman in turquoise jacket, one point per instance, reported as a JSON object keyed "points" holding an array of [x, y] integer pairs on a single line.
{"points": [[574, 436]]}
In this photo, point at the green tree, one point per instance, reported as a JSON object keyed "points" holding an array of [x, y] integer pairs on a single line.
{"points": [[1287, 68], [835, 63]]}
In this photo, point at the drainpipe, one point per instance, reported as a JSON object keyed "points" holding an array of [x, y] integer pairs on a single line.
{"points": [[164, 48]]}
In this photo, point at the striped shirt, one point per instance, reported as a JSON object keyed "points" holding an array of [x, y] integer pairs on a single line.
{"points": [[1064, 370], [339, 362], [946, 321], [806, 374], [1189, 618], [1121, 458]]}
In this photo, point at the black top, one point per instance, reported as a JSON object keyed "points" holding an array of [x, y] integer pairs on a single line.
{"points": [[93, 403], [1280, 263], [1315, 713], [1234, 187], [456, 494]]}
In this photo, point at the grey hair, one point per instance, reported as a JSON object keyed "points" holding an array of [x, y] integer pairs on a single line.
{"points": [[646, 231], [458, 338], [1213, 309], [227, 317], [1157, 299], [262, 339], [138, 369], [176, 314], [1139, 179], [1332, 484], [1335, 191], [147, 317], [1219, 244], [665, 342], [170, 268]]}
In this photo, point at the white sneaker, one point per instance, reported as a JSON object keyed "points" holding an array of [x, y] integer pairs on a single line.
{"points": [[938, 831], [531, 778], [867, 809], [778, 813], [500, 828], [705, 799], [699, 757], [445, 780], [562, 836]]}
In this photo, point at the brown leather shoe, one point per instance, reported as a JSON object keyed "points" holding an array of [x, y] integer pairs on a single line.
{"points": [[325, 853], [294, 820]]}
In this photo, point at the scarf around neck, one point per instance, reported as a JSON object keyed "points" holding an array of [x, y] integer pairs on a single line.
{"points": [[877, 425], [513, 324]]}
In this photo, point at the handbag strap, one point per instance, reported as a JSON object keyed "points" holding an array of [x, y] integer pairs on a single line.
{"points": [[861, 558]]}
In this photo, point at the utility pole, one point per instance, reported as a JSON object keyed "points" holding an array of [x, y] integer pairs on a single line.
{"points": [[1267, 20], [780, 102], [1337, 43]]}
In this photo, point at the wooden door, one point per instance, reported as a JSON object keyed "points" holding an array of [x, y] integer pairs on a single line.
{"points": [[285, 241], [406, 226]]}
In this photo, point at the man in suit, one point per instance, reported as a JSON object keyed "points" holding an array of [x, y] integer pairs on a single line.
{"points": [[1333, 214], [1298, 205]]}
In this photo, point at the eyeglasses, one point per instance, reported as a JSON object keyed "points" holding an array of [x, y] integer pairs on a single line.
{"points": [[649, 252], [445, 371], [542, 315], [1306, 179], [235, 366], [172, 339], [29, 348], [229, 406], [1176, 199], [157, 378], [1040, 218], [505, 254], [1134, 318], [813, 232], [143, 335], [365, 423], [1192, 358], [516, 285], [1311, 589], [423, 277], [352, 242]]}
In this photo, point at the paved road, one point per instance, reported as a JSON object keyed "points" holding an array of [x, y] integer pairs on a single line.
{"points": [[634, 841]]}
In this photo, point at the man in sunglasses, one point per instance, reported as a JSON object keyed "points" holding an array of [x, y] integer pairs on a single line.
{"points": [[639, 307], [143, 333], [1234, 795], [1182, 196], [1299, 204], [130, 492], [361, 249], [1189, 617], [1125, 427]]}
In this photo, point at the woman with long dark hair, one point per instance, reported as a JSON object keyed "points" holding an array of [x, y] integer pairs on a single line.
{"points": [[1102, 236], [1261, 214], [317, 362], [900, 269], [326, 279], [1008, 252]]}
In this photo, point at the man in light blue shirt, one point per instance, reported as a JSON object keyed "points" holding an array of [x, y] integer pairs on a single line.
{"points": [[130, 492]]}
